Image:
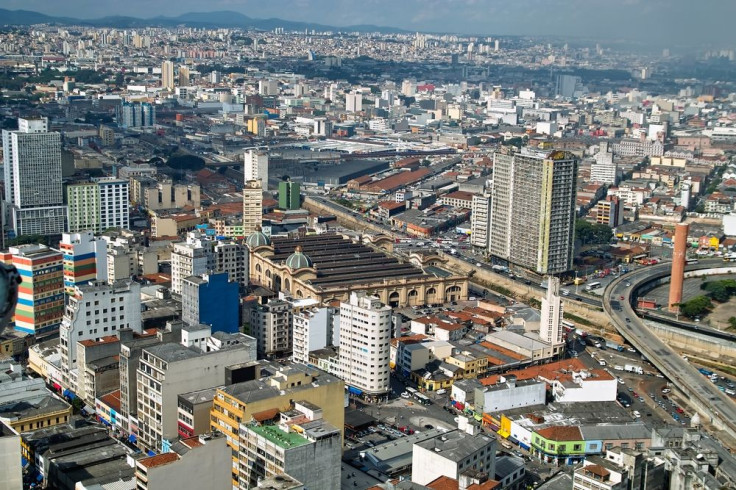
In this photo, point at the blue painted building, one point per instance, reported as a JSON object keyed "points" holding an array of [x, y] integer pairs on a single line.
{"points": [[213, 300]]}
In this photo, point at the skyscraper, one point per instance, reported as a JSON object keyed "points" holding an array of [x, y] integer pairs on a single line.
{"points": [[136, 115], [167, 75], [289, 198], [365, 337], [32, 162], [252, 206], [480, 220], [533, 209], [256, 166], [550, 327], [211, 299], [183, 76]]}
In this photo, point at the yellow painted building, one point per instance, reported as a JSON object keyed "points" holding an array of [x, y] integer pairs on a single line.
{"points": [[263, 399], [471, 366], [48, 412]]}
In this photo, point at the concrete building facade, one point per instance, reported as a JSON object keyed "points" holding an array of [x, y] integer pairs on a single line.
{"points": [[365, 341]]}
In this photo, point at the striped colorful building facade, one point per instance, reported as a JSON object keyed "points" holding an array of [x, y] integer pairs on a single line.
{"points": [[85, 259], [41, 293]]}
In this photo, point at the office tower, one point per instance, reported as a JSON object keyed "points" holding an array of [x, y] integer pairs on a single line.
{"points": [[268, 87], [408, 88], [215, 77], [480, 220], [271, 325], [256, 166], [211, 299], [677, 277], [201, 254], [41, 294], [569, 87], [127, 257], [33, 188], [365, 336], [252, 206], [234, 407], [98, 205], [289, 198], [301, 444], [550, 327], [130, 115], [167, 75], [183, 76], [169, 369], [85, 259], [533, 209], [97, 310], [322, 127], [312, 330], [354, 102]]}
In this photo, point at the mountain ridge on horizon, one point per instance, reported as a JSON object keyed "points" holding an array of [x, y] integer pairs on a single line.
{"points": [[220, 18]]}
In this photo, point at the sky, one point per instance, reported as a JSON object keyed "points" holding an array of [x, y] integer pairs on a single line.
{"points": [[679, 22]]}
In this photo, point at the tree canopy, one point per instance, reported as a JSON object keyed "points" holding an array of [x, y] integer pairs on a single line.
{"points": [[592, 233], [696, 306]]}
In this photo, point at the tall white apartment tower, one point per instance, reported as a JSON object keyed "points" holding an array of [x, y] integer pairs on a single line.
{"points": [[354, 102], [256, 167], [33, 188], [365, 336], [252, 206], [480, 220], [550, 327], [167, 75], [533, 209]]}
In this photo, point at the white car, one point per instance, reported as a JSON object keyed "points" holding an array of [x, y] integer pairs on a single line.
{"points": [[405, 394], [636, 414]]}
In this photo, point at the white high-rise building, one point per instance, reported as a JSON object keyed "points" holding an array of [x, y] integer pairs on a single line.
{"points": [[365, 336], [252, 206], [312, 330], [167, 75], [550, 327], [94, 311], [256, 167], [33, 188], [201, 254], [98, 205], [604, 170], [533, 209], [480, 220], [354, 102]]}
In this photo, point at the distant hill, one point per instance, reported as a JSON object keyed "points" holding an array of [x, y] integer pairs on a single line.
{"points": [[223, 18]]}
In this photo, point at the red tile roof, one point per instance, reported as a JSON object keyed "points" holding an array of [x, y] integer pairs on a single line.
{"points": [[159, 460]]}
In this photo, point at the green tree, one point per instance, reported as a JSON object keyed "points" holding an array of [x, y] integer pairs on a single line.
{"points": [[732, 323], [696, 306], [592, 233]]}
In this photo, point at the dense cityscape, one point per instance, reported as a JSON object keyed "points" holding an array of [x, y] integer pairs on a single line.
{"points": [[289, 256]]}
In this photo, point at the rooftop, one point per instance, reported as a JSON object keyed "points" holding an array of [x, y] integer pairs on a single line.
{"points": [[285, 440], [457, 445]]}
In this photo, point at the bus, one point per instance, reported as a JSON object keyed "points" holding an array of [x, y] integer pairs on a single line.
{"points": [[422, 399], [691, 261], [411, 391], [592, 286]]}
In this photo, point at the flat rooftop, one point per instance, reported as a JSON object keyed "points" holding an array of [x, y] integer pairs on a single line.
{"points": [[457, 445], [285, 440]]}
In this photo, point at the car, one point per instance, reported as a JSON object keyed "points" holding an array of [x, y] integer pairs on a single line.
{"points": [[628, 320], [636, 414], [651, 395], [405, 394], [621, 381], [628, 284], [428, 426], [621, 297], [679, 410], [631, 390], [666, 390], [631, 349], [636, 395], [641, 399]]}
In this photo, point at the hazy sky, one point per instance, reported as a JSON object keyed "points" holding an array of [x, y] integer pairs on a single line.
{"points": [[662, 21]]}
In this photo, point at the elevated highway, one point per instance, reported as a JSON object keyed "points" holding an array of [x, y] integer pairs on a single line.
{"points": [[705, 396]]}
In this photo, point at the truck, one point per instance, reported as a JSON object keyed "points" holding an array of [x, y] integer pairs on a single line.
{"points": [[614, 345], [633, 368], [498, 268]]}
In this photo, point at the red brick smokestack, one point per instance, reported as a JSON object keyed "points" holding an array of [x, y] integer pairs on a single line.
{"points": [[678, 266]]}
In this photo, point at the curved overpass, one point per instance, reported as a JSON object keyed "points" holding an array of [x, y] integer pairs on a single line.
{"points": [[706, 396]]}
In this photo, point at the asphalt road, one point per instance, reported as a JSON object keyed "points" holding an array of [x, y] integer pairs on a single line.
{"points": [[674, 367]]}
